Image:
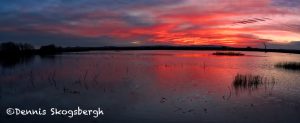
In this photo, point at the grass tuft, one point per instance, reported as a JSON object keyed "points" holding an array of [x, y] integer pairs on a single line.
{"points": [[289, 65], [247, 81]]}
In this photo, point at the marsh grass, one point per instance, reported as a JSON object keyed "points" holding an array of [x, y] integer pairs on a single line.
{"points": [[228, 54], [247, 81], [252, 82], [288, 65]]}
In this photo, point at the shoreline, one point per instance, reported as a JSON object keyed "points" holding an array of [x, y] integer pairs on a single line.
{"points": [[60, 50], [180, 48]]}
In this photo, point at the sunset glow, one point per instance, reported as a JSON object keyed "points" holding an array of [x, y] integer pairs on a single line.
{"points": [[142, 22]]}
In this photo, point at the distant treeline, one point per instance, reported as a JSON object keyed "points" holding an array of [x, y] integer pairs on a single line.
{"points": [[199, 48], [10, 48], [12, 54], [15, 49]]}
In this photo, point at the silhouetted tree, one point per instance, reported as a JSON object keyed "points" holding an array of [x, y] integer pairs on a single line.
{"points": [[26, 47], [10, 48], [13, 53], [49, 49]]}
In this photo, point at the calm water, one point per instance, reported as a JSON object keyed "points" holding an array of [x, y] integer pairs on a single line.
{"points": [[153, 86]]}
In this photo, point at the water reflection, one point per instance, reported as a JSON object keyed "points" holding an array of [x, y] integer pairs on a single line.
{"points": [[157, 86], [10, 62]]}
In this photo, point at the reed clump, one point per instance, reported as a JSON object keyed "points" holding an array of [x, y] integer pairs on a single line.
{"points": [[289, 65], [250, 83], [247, 81]]}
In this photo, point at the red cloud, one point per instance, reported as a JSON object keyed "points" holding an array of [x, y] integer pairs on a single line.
{"points": [[228, 22]]}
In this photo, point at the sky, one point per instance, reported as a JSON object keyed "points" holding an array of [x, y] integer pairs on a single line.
{"points": [[238, 23]]}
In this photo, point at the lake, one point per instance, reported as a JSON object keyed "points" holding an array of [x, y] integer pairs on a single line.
{"points": [[154, 86]]}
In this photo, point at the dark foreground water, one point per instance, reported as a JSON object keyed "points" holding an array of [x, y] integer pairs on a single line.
{"points": [[153, 86]]}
